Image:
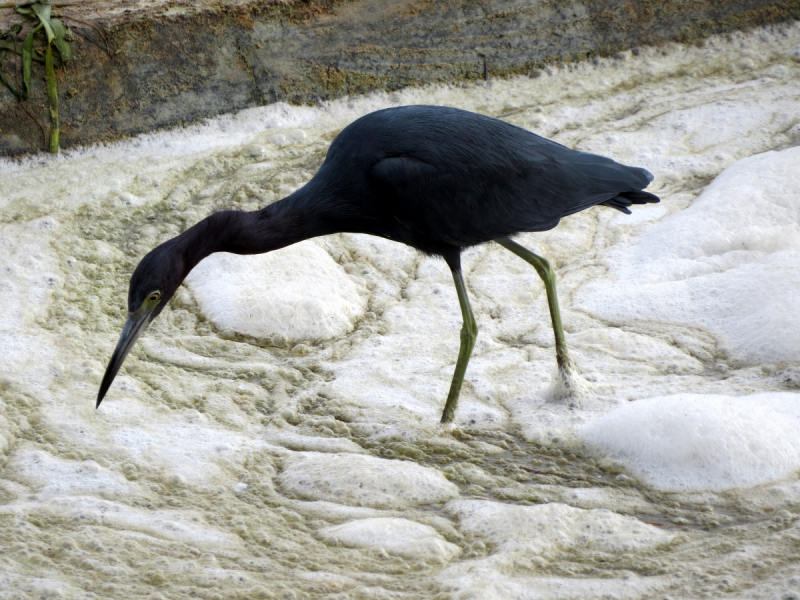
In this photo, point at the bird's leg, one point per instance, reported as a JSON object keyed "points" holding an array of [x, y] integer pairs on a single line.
{"points": [[469, 332], [549, 277]]}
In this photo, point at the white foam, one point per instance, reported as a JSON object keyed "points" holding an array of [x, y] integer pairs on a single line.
{"points": [[182, 525], [295, 441], [360, 480], [727, 263], [703, 442], [189, 446], [298, 292], [491, 581], [29, 277], [51, 476], [524, 538], [395, 536], [192, 451], [548, 529], [29, 269]]}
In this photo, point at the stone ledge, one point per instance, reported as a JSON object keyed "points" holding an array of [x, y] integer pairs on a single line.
{"points": [[171, 63]]}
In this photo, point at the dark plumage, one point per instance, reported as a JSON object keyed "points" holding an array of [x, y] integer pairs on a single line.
{"points": [[438, 179]]}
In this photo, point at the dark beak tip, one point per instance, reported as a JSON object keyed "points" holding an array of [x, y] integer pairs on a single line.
{"points": [[104, 386], [134, 327], [101, 394]]}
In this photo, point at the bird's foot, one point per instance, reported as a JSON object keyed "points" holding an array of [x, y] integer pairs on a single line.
{"points": [[568, 386], [445, 427]]}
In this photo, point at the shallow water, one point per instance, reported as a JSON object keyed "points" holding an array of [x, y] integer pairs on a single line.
{"points": [[265, 439]]}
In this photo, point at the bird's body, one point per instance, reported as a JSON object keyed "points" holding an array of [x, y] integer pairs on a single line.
{"points": [[437, 179], [441, 179]]}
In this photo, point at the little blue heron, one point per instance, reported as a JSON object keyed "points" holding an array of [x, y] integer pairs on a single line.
{"points": [[437, 179]]}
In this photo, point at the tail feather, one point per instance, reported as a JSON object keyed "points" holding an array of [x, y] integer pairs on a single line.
{"points": [[624, 199]]}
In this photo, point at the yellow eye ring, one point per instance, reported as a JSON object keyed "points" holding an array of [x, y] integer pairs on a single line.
{"points": [[154, 297]]}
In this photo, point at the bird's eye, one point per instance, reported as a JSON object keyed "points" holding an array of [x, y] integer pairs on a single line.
{"points": [[154, 296]]}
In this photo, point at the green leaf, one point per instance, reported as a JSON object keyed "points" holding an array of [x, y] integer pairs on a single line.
{"points": [[17, 48], [52, 99], [62, 44], [42, 10], [25, 11]]}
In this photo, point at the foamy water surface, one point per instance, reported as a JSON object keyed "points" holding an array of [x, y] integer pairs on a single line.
{"points": [[275, 434]]}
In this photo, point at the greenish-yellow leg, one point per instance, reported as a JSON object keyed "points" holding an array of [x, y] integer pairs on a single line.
{"points": [[469, 333], [549, 277]]}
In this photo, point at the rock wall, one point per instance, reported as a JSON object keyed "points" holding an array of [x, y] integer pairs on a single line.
{"points": [[175, 63]]}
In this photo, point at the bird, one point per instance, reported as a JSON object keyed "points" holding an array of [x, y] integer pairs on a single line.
{"points": [[435, 178]]}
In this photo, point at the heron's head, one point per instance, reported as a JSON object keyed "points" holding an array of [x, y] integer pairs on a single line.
{"points": [[152, 285]]}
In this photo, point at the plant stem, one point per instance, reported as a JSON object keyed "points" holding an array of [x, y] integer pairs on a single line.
{"points": [[52, 98]]}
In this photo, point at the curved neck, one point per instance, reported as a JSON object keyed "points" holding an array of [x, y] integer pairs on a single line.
{"points": [[293, 219]]}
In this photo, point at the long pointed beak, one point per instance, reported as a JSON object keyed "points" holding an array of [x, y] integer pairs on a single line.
{"points": [[134, 327]]}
